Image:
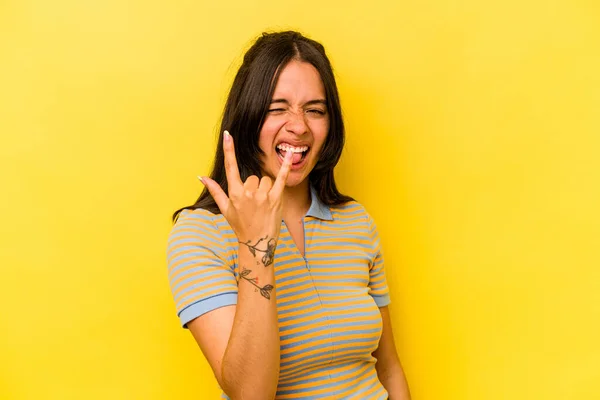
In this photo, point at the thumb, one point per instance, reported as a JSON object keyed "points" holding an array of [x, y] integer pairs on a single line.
{"points": [[216, 192]]}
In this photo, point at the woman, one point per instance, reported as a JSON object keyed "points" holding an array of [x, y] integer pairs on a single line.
{"points": [[278, 276]]}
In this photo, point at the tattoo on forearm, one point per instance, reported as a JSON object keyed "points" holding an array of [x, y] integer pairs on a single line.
{"points": [[267, 258], [265, 291]]}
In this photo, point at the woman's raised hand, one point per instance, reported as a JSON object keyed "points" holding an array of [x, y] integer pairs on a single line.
{"points": [[253, 208]]}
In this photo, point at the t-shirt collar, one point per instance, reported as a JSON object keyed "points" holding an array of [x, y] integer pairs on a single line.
{"points": [[317, 208]]}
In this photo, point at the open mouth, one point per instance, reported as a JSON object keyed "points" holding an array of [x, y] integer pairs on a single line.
{"points": [[299, 153]]}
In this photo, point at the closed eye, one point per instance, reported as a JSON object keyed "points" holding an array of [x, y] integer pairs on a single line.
{"points": [[314, 111]]}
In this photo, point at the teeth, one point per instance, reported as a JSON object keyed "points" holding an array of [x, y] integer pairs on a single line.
{"points": [[286, 147]]}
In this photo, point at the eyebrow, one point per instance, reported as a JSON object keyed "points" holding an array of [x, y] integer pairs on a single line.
{"points": [[308, 103]]}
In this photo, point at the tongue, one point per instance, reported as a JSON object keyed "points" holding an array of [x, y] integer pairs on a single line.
{"points": [[296, 157]]}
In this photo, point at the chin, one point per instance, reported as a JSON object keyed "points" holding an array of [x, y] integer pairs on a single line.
{"points": [[294, 181]]}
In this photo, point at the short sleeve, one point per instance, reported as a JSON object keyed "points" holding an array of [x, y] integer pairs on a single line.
{"points": [[378, 287], [200, 277]]}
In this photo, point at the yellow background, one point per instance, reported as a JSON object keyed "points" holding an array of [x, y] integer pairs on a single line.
{"points": [[473, 139]]}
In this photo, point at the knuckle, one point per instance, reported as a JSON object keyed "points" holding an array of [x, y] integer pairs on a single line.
{"points": [[261, 196], [234, 194]]}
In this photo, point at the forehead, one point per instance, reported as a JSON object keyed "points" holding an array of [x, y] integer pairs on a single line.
{"points": [[299, 79]]}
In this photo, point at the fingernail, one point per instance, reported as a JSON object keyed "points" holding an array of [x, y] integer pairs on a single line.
{"points": [[289, 155], [200, 179], [227, 136]]}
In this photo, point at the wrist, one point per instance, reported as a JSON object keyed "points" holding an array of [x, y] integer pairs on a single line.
{"points": [[261, 249]]}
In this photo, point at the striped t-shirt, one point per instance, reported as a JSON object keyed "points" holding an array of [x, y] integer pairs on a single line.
{"points": [[327, 301]]}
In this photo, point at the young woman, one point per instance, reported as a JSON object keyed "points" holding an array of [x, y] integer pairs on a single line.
{"points": [[278, 276]]}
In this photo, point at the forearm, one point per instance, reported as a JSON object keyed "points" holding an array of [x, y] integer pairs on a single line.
{"points": [[394, 381], [250, 368]]}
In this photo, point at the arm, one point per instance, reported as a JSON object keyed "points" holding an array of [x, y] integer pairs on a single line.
{"points": [[241, 343], [389, 369]]}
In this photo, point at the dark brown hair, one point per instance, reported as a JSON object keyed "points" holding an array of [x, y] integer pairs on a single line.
{"points": [[247, 106]]}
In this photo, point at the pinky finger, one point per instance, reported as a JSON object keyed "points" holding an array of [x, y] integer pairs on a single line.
{"points": [[282, 176]]}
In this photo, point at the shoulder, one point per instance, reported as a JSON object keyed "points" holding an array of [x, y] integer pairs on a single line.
{"points": [[198, 220], [198, 227], [355, 216], [351, 210]]}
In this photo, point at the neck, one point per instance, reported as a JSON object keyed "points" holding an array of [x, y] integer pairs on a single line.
{"points": [[296, 201]]}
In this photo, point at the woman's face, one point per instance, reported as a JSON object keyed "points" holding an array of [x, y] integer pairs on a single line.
{"points": [[297, 121]]}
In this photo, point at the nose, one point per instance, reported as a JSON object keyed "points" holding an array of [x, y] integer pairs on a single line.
{"points": [[296, 123]]}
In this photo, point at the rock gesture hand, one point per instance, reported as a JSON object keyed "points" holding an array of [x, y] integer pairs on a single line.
{"points": [[253, 208]]}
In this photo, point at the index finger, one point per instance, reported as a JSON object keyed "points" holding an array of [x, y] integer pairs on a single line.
{"points": [[231, 167], [279, 184]]}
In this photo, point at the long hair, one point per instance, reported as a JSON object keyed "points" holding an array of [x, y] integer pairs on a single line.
{"points": [[247, 106]]}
